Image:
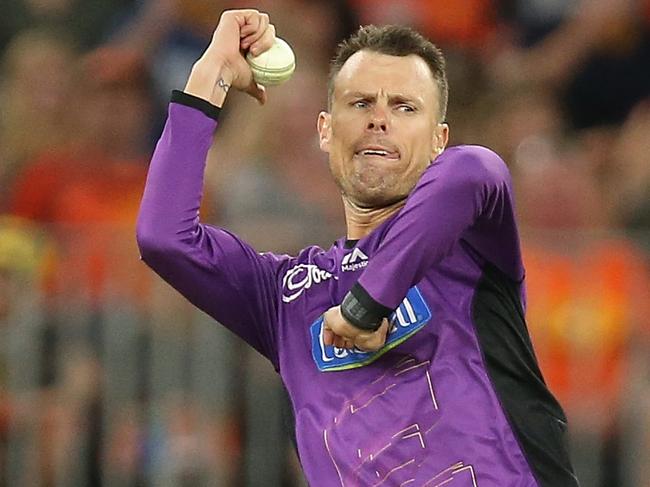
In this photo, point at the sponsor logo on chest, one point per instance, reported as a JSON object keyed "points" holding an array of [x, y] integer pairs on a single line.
{"points": [[300, 278], [409, 317]]}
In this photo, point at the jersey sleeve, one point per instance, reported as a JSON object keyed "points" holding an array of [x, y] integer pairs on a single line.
{"points": [[214, 269], [465, 195]]}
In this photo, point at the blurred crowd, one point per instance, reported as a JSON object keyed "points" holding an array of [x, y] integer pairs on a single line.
{"points": [[108, 378]]}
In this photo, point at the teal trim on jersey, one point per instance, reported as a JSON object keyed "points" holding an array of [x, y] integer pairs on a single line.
{"points": [[409, 317]]}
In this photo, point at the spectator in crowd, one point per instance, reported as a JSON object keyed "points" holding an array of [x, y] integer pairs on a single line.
{"points": [[85, 20], [630, 173], [36, 93], [90, 187], [588, 302], [462, 24], [24, 260], [596, 58]]}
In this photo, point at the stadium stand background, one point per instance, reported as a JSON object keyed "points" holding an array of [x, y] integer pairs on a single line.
{"points": [[107, 378]]}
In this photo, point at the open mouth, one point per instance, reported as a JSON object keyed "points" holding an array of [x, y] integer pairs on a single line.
{"points": [[378, 152]]}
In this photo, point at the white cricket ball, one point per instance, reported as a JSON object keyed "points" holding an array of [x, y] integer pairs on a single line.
{"points": [[274, 66]]}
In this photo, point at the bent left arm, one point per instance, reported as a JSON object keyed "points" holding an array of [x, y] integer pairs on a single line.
{"points": [[467, 185]]}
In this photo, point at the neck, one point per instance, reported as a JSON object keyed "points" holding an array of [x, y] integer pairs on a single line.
{"points": [[361, 221]]}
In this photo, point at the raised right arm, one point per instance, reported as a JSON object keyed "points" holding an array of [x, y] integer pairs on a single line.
{"points": [[212, 268]]}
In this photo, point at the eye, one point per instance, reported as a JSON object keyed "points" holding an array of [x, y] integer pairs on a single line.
{"points": [[360, 104], [403, 107]]}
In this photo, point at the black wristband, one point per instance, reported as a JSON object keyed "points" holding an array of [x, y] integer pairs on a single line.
{"points": [[362, 311], [192, 101]]}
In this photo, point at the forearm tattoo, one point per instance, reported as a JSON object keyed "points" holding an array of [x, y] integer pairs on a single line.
{"points": [[223, 85]]}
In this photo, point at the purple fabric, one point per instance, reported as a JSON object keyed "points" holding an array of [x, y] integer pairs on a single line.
{"points": [[465, 195], [425, 412]]}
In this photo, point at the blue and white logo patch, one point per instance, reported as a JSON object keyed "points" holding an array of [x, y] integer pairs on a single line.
{"points": [[411, 315]]}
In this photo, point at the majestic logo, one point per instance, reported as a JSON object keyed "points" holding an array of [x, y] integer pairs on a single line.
{"points": [[353, 261], [411, 315], [299, 278]]}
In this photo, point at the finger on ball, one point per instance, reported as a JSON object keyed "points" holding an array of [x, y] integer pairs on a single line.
{"points": [[253, 36], [264, 44], [247, 30]]}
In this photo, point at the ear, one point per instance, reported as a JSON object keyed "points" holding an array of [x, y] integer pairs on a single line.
{"points": [[324, 130], [440, 139]]}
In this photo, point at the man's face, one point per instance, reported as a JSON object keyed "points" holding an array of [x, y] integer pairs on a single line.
{"points": [[383, 129]]}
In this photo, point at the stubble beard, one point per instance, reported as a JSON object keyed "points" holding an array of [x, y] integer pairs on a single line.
{"points": [[367, 188]]}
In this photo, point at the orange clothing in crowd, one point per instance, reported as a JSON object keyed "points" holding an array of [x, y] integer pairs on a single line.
{"points": [[91, 201], [584, 311], [465, 23]]}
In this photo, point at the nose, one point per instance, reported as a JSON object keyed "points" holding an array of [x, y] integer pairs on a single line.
{"points": [[378, 121]]}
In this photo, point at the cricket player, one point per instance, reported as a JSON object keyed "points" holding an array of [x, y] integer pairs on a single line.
{"points": [[403, 347]]}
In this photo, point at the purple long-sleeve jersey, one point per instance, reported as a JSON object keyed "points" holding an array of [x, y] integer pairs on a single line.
{"points": [[455, 397]]}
